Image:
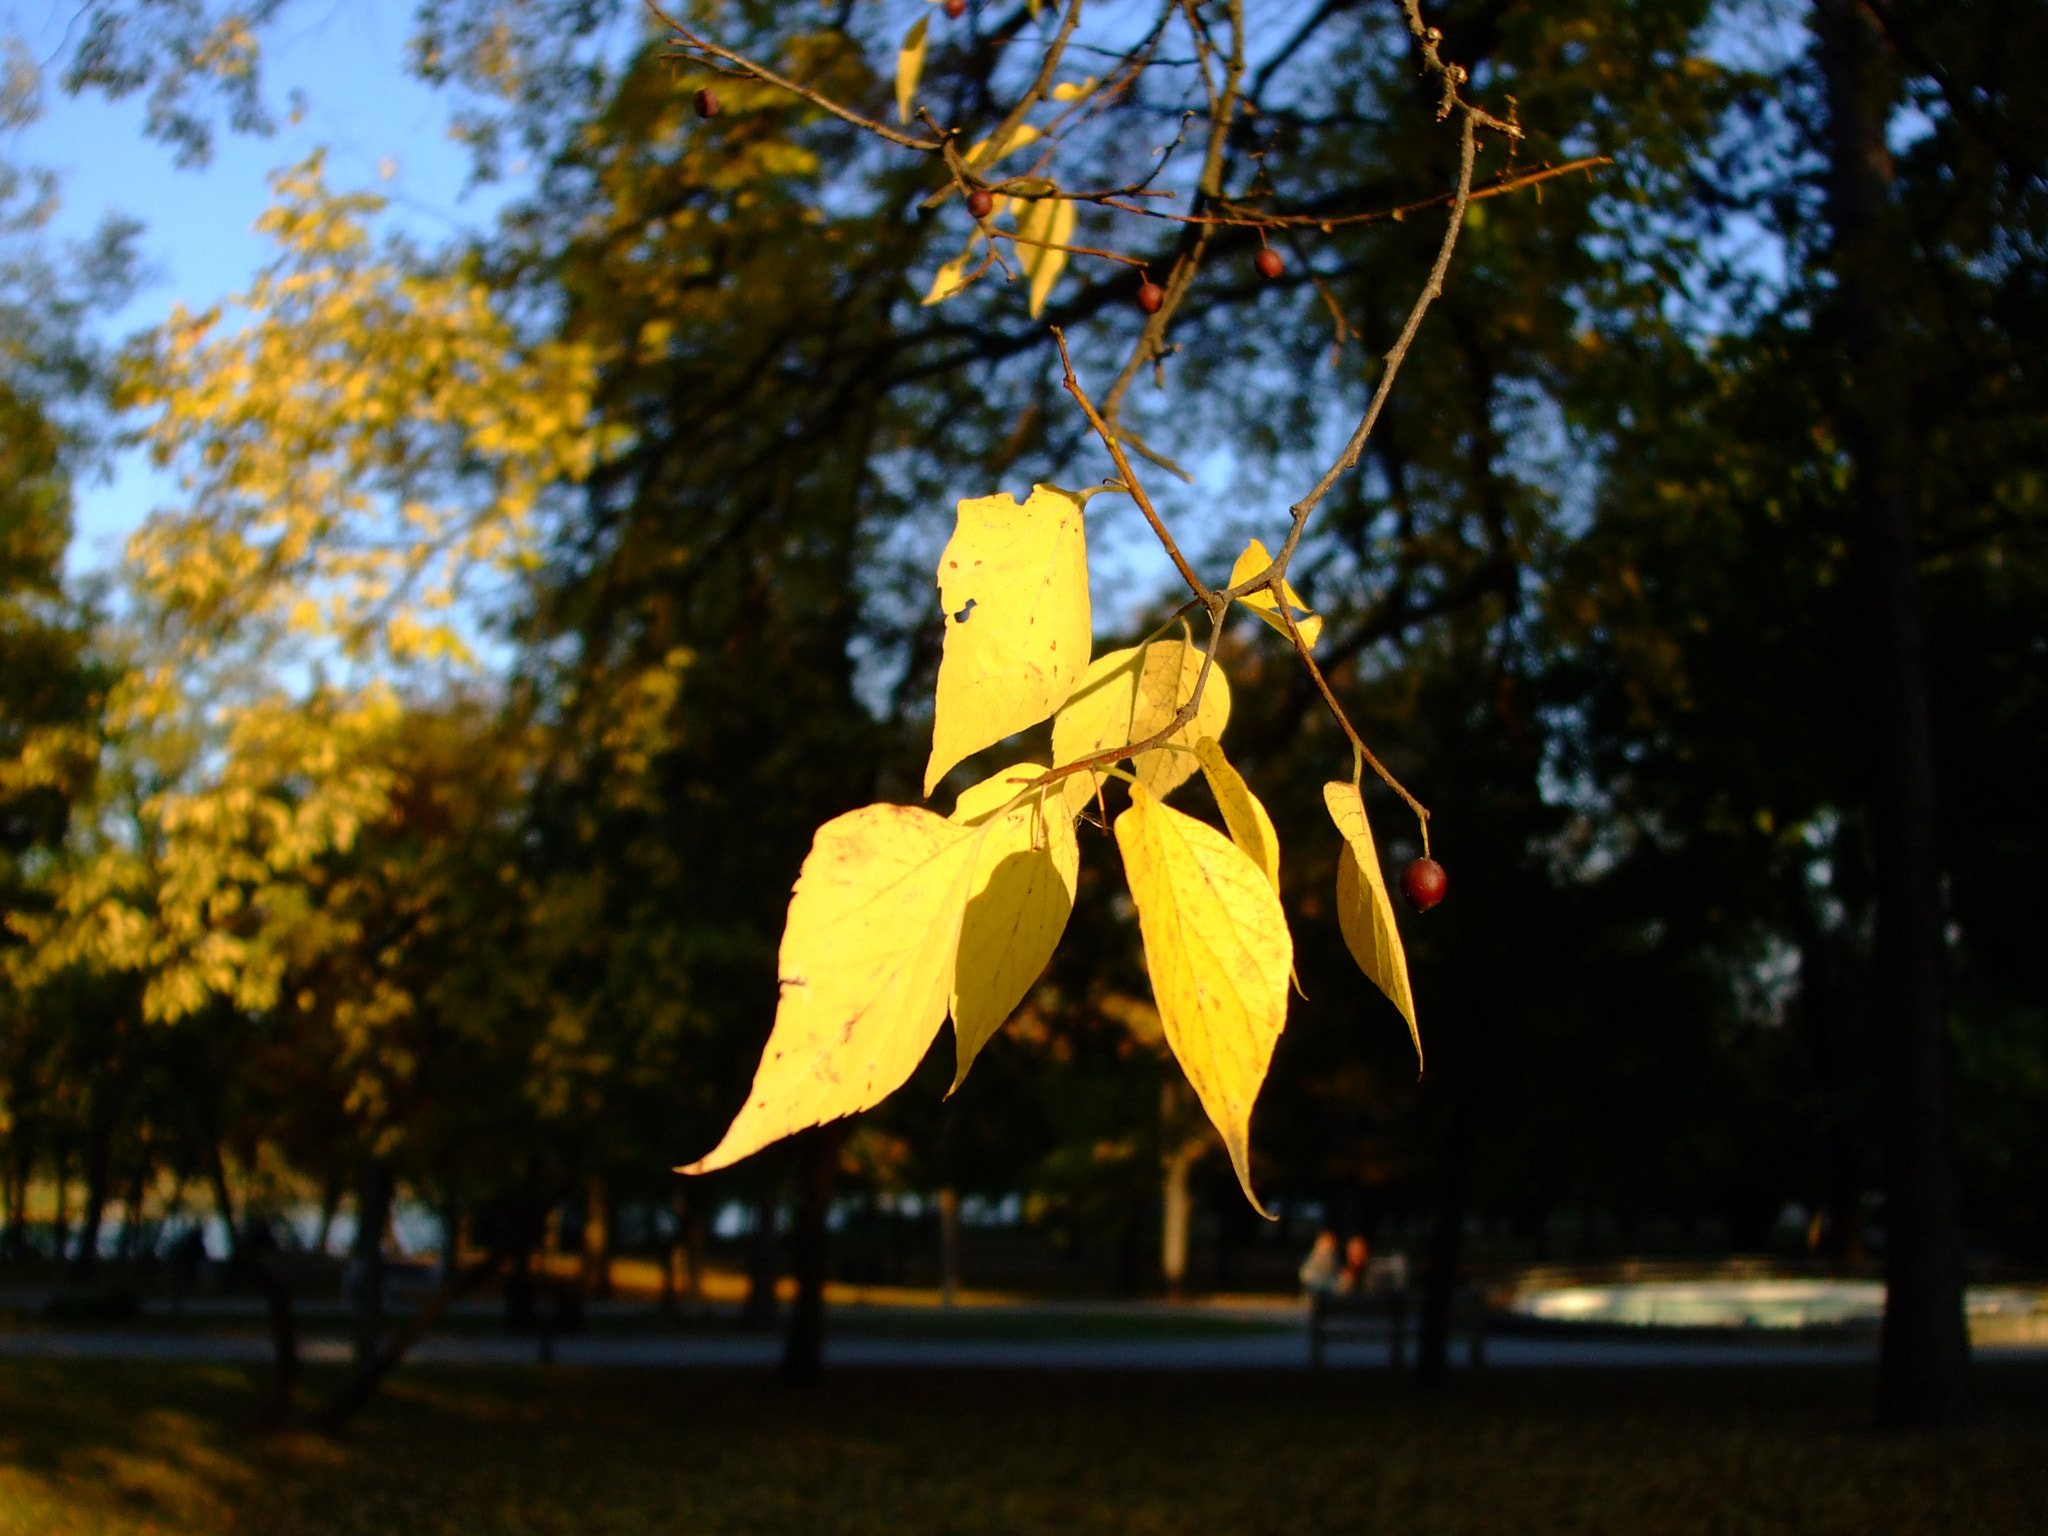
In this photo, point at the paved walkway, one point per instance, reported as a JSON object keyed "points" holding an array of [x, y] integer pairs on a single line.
{"points": [[1266, 1351]]}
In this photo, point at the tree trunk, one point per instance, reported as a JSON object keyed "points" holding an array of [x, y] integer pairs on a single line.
{"points": [[1176, 1207], [803, 1347], [1446, 1238], [949, 1246], [266, 1265], [99, 1148], [14, 1242], [330, 1204], [1824, 1011], [60, 1221], [366, 1268], [700, 1234], [224, 1200], [129, 1244], [451, 1239], [1924, 1356], [597, 1240], [758, 1311], [361, 1383]]}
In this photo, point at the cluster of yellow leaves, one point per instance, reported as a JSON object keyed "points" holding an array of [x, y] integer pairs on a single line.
{"points": [[208, 895], [360, 439], [357, 436], [901, 917]]}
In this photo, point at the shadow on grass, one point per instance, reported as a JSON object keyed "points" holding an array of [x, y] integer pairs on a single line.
{"points": [[124, 1449]]}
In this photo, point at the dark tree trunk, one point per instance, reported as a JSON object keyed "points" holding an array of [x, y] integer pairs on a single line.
{"points": [[361, 1383], [266, 1265], [803, 1347], [1446, 1240], [596, 1254], [366, 1269], [99, 1148], [60, 1222], [129, 1244], [14, 1242], [224, 1201], [330, 1203], [1924, 1360], [758, 1311], [1824, 1010]]}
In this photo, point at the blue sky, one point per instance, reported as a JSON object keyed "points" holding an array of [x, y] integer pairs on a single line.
{"points": [[381, 128]]}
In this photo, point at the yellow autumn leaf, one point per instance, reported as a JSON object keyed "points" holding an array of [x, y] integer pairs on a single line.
{"points": [[1129, 695], [866, 970], [1014, 584], [1066, 90], [1218, 952], [1364, 911], [1249, 564], [1050, 221], [950, 279], [909, 68], [1250, 827], [1023, 134], [1019, 899]]}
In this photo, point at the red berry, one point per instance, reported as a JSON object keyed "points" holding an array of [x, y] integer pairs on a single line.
{"points": [[1424, 883], [1150, 297], [980, 203], [707, 104], [956, 8], [1268, 262]]}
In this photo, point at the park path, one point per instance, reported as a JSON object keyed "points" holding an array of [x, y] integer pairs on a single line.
{"points": [[1264, 1351]]}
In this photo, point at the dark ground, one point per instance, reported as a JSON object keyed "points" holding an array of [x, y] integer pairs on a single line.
{"points": [[92, 1447]]}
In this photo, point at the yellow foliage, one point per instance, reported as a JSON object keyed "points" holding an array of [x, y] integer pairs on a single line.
{"points": [[866, 971], [1249, 564], [1219, 954], [1049, 221], [1013, 581], [978, 154], [1129, 695], [1365, 912], [1019, 899], [358, 437], [910, 67], [1250, 827]]}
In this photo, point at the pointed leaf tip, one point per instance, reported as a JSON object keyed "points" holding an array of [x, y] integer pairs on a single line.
{"points": [[1249, 564], [910, 67], [1365, 912], [866, 968], [1021, 894], [1218, 952]]}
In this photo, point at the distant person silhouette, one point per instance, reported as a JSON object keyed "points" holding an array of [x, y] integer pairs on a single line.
{"points": [[1357, 1260], [1319, 1269]]}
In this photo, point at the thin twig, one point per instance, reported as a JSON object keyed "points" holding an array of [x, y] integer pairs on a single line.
{"points": [[1355, 448], [684, 37], [1130, 481], [1361, 752]]}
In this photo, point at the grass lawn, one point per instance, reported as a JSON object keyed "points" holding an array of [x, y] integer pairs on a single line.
{"points": [[91, 1447]]}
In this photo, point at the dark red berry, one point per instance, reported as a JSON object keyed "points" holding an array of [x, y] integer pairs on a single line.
{"points": [[1268, 262], [1424, 883], [980, 203], [707, 104], [956, 8], [1150, 297]]}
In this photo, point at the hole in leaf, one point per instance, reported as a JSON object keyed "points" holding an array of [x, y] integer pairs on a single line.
{"points": [[962, 616]]}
